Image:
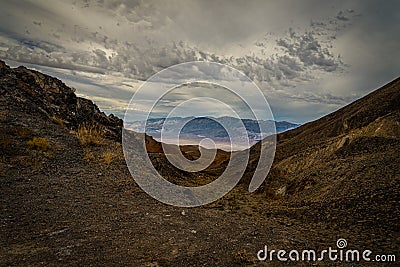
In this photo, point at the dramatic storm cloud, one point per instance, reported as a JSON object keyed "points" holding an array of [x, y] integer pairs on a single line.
{"points": [[308, 57]]}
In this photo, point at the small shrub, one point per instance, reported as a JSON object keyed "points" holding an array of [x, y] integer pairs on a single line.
{"points": [[39, 143], [108, 157], [58, 121], [89, 135]]}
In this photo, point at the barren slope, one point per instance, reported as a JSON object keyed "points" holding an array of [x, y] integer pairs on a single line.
{"points": [[69, 200]]}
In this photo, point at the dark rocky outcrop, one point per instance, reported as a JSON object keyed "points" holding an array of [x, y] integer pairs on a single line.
{"points": [[37, 93]]}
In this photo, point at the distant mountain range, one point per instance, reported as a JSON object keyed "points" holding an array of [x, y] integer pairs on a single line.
{"points": [[197, 128]]}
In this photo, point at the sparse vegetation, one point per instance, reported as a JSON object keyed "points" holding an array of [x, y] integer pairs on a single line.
{"points": [[108, 157], [84, 207], [90, 135], [39, 143], [59, 121]]}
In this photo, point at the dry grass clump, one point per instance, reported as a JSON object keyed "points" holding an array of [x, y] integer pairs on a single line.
{"points": [[39, 143], [90, 135], [58, 121], [108, 157], [108, 154]]}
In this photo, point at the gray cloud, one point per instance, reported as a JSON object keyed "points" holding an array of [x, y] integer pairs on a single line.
{"points": [[302, 51]]}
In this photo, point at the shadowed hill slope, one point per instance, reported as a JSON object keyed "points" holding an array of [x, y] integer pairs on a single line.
{"points": [[344, 166], [365, 126], [378, 104]]}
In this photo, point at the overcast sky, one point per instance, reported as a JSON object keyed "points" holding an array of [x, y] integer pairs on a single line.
{"points": [[308, 57]]}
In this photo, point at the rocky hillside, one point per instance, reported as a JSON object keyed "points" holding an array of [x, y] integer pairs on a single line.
{"points": [[363, 129], [32, 92], [344, 166]]}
